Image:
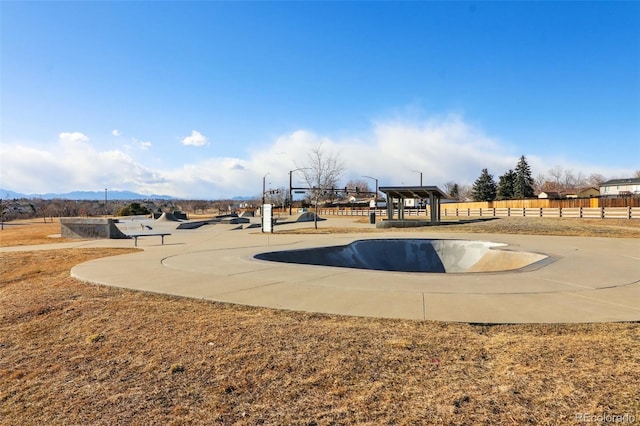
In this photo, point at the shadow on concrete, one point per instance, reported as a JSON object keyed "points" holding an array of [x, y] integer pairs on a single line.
{"points": [[410, 255]]}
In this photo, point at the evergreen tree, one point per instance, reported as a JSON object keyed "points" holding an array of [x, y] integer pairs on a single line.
{"points": [[484, 188], [132, 210], [506, 186], [454, 192], [523, 185], [452, 189]]}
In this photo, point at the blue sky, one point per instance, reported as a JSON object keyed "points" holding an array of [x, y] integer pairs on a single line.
{"points": [[202, 99]]}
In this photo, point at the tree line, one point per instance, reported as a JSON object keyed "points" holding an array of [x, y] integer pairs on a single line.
{"points": [[519, 183], [514, 184]]}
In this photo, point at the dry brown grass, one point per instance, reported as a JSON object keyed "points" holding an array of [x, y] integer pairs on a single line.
{"points": [[613, 228], [29, 232], [72, 353]]}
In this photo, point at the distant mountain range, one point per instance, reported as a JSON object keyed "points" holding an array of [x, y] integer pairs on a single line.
{"points": [[85, 195]]}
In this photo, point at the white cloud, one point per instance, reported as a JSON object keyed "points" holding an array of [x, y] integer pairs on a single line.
{"points": [[196, 139], [143, 145], [70, 164], [443, 148], [73, 137], [116, 132]]}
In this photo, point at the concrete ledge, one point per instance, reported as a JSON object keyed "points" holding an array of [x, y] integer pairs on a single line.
{"points": [[90, 228], [234, 220]]}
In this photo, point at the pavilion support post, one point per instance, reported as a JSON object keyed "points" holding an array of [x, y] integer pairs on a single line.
{"points": [[433, 205], [400, 193]]}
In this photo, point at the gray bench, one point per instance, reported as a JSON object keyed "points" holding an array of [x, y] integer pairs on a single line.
{"points": [[154, 234]]}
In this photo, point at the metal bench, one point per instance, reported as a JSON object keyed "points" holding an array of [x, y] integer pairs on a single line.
{"points": [[155, 234]]}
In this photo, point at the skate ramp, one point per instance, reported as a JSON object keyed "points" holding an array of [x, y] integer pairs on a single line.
{"points": [[411, 255], [90, 228], [305, 217], [167, 217]]}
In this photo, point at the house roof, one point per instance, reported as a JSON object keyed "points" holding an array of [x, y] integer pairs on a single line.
{"points": [[412, 191], [578, 190], [628, 181]]}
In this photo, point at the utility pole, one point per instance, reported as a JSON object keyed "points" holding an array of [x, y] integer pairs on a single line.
{"points": [[369, 177], [290, 191], [264, 180], [291, 187], [416, 171], [264, 184]]}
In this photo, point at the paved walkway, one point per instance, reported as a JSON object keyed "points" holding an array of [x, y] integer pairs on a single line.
{"points": [[589, 280]]}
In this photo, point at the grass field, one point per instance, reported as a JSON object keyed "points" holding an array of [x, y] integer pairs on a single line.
{"points": [[616, 228], [72, 353]]}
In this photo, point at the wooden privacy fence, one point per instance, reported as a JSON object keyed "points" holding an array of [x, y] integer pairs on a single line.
{"points": [[534, 203], [566, 212], [558, 212]]}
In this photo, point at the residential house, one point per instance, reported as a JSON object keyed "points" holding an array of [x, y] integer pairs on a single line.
{"points": [[620, 187], [588, 192], [550, 195]]}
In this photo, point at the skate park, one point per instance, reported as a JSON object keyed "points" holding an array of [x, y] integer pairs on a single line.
{"points": [[488, 278]]}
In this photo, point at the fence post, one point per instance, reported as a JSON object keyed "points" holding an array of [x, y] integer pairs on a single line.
{"points": [[540, 211], [560, 211], [508, 211], [580, 212], [602, 212], [629, 212]]}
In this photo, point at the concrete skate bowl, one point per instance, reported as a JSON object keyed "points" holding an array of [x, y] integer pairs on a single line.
{"points": [[414, 255]]}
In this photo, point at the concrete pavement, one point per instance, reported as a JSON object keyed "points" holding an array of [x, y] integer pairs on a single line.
{"points": [[589, 279]]}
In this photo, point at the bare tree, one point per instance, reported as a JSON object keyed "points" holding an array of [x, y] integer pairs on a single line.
{"points": [[556, 175], [322, 172], [465, 192], [4, 205], [187, 205], [595, 180], [47, 209], [359, 186], [566, 179], [452, 189], [539, 183], [572, 180], [637, 174]]}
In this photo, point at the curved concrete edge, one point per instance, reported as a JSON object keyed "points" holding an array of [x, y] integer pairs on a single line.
{"points": [[496, 260], [411, 255]]}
